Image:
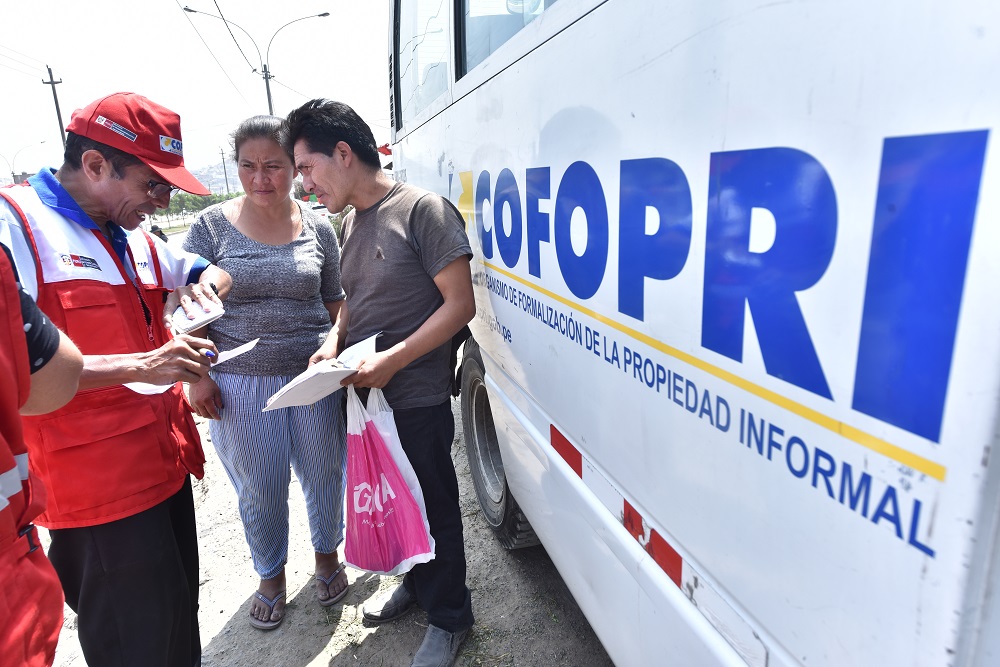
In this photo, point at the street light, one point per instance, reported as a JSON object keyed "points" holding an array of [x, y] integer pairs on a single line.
{"points": [[267, 54], [10, 163]]}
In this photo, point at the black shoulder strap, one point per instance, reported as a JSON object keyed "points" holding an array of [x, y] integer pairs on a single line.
{"points": [[456, 342]]}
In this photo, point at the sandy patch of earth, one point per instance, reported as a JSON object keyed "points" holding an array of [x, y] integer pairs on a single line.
{"points": [[525, 615]]}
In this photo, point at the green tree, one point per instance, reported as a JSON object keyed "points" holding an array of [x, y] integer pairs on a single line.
{"points": [[299, 192], [337, 219], [184, 203]]}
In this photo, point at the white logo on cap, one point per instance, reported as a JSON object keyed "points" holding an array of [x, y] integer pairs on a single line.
{"points": [[171, 145]]}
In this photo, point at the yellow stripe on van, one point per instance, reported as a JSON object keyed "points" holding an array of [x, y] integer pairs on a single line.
{"points": [[465, 206], [887, 449]]}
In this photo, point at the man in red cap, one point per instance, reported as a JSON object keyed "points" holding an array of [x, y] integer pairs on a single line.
{"points": [[116, 459]]}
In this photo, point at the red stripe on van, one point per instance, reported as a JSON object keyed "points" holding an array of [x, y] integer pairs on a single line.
{"points": [[666, 557], [566, 450], [669, 560]]}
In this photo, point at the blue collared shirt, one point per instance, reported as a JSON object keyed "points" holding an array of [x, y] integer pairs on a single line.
{"points": [[51, 193]]}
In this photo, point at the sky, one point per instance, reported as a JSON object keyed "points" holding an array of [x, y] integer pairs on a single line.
{"points": [[187, 62]]}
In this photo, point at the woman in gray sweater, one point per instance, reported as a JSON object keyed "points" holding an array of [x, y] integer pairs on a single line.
{"points": [[285, 263]]}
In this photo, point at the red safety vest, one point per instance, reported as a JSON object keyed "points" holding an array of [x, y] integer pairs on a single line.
{"points": [[31, 599], [20, 503], [110, 452]]}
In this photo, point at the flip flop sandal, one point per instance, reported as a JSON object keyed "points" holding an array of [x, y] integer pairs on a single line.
{"points": [[269, 624], [330, 601]]}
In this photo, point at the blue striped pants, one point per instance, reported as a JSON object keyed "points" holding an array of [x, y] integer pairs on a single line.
{"points": [[256, 448]]}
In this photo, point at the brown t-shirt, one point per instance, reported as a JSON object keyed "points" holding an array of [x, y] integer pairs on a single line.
{"points": [[389, 257]]}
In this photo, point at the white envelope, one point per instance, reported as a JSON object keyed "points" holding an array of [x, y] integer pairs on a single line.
{"points": [[321, 379]]}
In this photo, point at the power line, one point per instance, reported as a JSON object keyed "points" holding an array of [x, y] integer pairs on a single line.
{"points": [[226, 74], [23, 55], [303, 95], [219, 9], [19, 71], [38, 69], [263, 60]]}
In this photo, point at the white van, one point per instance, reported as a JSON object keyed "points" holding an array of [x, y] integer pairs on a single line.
{"points": [[736, 361]]}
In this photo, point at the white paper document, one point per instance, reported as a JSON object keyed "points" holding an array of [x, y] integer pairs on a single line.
{"points": [[150, 389], [321, 379], [235, 352], [147, 389]]}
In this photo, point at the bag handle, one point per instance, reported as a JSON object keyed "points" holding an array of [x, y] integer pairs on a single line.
{"points": [[357, 416], [377, 403]]}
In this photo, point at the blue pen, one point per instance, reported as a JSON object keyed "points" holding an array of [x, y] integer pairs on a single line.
{"points": [[209, 354]]}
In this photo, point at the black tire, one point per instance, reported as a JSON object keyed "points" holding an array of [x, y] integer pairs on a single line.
{"points": [[500, 509]]}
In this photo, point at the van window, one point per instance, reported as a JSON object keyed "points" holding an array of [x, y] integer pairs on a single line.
{"points": [[423, 54], [487, 24]]}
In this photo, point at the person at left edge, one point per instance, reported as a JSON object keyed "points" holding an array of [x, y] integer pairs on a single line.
{"points": [[116, 463], [41, 369]]}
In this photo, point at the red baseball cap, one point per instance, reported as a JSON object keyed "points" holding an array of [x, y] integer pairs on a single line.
{"points": [[140, 127]]}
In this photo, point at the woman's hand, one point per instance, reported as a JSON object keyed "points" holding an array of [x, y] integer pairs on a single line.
{"points": [[327, 350], [187, 297], [205, 398]]}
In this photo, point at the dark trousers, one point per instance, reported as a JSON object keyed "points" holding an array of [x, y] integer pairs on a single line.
{"points": [[134, 585], [439, 585]]}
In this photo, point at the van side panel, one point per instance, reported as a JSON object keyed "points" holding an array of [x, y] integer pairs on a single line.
{"points": [[735, 271]]}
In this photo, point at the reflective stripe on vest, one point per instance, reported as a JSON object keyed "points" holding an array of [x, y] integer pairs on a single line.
{"points": [[12, 481]]}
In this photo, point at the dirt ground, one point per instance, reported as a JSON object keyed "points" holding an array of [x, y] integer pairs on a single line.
{"points": [[525, 615]]}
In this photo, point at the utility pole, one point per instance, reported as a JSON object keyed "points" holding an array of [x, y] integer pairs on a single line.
{"points": [[267, 85], [222, 153], [52, 82]]}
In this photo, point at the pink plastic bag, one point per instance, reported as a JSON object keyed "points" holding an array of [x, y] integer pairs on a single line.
{"points": [[387, 529]]}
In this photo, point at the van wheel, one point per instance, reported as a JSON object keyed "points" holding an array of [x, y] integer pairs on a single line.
{"points": [[499, 507]]}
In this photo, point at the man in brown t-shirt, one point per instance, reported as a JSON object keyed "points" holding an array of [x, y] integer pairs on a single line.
{"points": [[405, 269]]}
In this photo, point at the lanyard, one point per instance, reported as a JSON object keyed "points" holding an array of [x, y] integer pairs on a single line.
{"points": [[147, 313]]}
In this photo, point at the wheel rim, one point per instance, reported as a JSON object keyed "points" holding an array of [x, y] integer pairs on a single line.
{"points": [[488, 459]]}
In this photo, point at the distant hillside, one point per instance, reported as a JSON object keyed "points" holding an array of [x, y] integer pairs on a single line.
{"points": [[214, 178]]}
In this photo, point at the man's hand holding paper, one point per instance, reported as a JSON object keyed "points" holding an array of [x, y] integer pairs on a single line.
{"points": [[375, 371], [323, 377]]}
